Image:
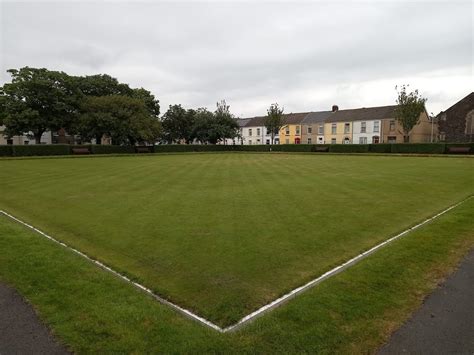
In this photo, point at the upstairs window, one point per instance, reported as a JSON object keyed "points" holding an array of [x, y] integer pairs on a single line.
{"points": [[321, 129], [258, 131], [376, 126], [287, 130], [392, 125], [250, 132], [333, 128], [310, 130], [297, 130], [347, 127], [363, 128]]}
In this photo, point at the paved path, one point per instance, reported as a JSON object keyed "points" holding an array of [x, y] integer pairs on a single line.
{"points": [[21, 332], [445, 322]]}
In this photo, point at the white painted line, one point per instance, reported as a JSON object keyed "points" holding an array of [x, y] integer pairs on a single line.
{"points": [[123, 277], [261, 310]]}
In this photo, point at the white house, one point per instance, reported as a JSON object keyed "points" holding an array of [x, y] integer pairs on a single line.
{"points": [[367, 132], [46, 138], [255, 133]]}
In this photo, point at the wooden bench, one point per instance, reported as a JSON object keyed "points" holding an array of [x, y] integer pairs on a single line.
{"points": [[321, 149], [81, 151], [143, 149], [459, 150]]}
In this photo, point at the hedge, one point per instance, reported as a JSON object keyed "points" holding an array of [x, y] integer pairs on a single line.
{"points": [[404, 148], [422, 148], [40, 149], [348, 148]]}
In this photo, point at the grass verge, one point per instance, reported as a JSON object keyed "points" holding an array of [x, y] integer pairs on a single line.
{"points": [[355, 311]]}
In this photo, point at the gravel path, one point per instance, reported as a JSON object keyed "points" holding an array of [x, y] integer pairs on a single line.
{"points": [[445, 322], [21, 332]]}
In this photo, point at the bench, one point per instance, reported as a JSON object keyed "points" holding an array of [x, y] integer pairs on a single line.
{"points": [[321, 149], [143, 149], [81, 151], [459, 150]]}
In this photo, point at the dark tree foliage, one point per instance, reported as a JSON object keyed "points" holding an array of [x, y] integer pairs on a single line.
{"points": [[38, 100], [124, 119], [178, 125], [410, 106], [274, 120]]}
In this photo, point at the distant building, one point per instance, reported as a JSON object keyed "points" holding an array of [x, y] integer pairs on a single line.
{"points": [[313, 127], [46, 138], [291, 132], [255, 132], [456, 123]]}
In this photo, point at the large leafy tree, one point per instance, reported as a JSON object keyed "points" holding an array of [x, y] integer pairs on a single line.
{"points": [[38, 100], [204, 127], [274, 120], [124, 119], [410, 105], [178, 124]]}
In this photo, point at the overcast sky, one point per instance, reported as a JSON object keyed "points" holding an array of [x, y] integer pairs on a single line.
{"points": [[306, 56]]}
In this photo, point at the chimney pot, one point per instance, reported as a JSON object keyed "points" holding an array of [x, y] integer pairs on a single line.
{"points": [[335, 108]]}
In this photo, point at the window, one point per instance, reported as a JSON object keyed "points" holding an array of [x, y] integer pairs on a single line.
{"points": [[362, 140], [258, 141], [333, 128], [375, 139], [267, 141], [277, 141], [250, 132], [287, 141], [268, 132], [310, 130], [392, 125], [26, 142], [258, 131], [363, 127], [333, 140], [392, 139], [297, 130], [347, 127], [320, 140], [347, 141], [309, 140], [10, 141], [250, 142], [321, 129], [376, 126], [287, 131]]}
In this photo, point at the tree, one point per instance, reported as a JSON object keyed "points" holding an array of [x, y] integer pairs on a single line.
{"points": [[204, 129], [225, 122], [37, 100], [274, 120], [124, 119], [178, 124], [410, 106]]}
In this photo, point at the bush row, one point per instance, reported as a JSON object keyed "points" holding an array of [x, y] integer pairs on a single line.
{"points": [[406, 148]]}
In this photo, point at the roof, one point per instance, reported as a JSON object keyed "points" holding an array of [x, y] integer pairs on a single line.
{"points": [[289, 118], [242, 122], [469, 100], [364, 113], [315, 117]]}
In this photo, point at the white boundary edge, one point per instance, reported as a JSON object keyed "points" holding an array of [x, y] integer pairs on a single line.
{"points": [[259, 311]]}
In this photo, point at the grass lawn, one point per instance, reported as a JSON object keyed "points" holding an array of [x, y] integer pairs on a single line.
{"points": [[91, 311], [223, 234]]}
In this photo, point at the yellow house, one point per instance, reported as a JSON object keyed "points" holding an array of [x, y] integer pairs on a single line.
{"points": [[338, 131], [291, 131]]}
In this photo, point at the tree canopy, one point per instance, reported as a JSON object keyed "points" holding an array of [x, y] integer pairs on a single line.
{"points": [[274, 120], [410, 106]]}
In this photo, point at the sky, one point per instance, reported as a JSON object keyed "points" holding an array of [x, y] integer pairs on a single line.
{"points": [[303, 55]]}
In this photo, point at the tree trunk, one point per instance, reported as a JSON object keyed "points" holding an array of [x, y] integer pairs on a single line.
{"points": [[37, 136], [406, 138], [98, 139]]}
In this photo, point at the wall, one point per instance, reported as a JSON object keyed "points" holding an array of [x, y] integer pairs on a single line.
{"points": [[341, 136], [370, 131]]}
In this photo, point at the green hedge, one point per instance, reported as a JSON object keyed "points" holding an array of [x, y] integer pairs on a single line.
{"points": [[404, 148], [6, 150], [380, 148], [40, 149], [422, 148], [348, 148]]}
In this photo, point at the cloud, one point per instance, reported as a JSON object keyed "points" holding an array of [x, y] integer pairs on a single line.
{"points": [[304, 55]]}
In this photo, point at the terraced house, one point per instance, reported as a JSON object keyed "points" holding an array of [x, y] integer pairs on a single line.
{"points": [[255, 132], [291, 132], [313, 127]]}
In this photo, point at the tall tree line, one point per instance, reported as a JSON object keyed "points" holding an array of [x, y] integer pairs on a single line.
{"points": [[39, 100]]}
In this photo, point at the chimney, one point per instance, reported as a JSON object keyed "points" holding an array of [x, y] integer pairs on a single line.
{"points": [[335, 108]]}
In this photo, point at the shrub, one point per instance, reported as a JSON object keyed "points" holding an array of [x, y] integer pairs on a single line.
{"points": [[40, 149], [111, 149], [380, 148], [422, 148], [349, 148], [6, 150]]}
